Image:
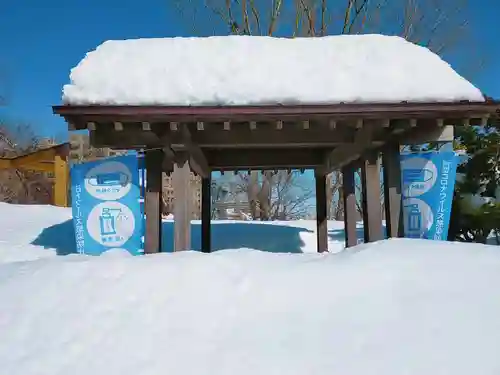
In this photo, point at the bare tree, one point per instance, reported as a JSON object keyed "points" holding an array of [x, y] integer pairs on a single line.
{"points": [[18, 185], [444, 26], [279, 195], [334, 196], [291, 198], [438, 24]]}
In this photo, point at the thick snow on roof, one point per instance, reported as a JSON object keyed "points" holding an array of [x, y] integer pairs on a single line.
{"points": [[250, 70]]}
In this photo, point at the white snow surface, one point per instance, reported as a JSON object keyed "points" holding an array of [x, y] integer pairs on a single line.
{"points": [[392, 307], [253, 70], [22, 225]]}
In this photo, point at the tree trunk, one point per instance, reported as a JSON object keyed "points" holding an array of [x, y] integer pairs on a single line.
{"points": [[252, 191], [264, 196]]}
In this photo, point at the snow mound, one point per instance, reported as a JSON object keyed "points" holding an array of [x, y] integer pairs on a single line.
{"points": [[251, 70], [393, 307]]}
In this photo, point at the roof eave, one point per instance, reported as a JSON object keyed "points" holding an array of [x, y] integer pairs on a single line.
{"points": [[241, 113]]}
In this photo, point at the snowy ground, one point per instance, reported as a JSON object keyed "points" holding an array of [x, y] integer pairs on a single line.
{"points": [[393, 307], [51, 231], [23, 227]]}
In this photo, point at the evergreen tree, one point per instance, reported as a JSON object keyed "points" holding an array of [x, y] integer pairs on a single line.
{"points": [[476, 204]]}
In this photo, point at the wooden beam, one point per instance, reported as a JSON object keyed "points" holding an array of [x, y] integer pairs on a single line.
{"points": [[197, 159], [407, 131], [181, 181], [321, 213], [168, 159], [392, 190], [403, 131], [243, 159], [438, 133], [350, 211], [153, 202], [206, 214], [265, 136], [372, 210], [347, 153]]}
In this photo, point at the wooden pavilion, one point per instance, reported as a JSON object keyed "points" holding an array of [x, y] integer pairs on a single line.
{"points": [[347, 134], [319, 137]]}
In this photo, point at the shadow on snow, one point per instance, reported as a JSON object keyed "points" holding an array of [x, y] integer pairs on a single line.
{"points": [[231, 235]]}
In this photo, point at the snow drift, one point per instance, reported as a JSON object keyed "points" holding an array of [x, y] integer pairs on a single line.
{"points": [[393, 307], [251, 70]]}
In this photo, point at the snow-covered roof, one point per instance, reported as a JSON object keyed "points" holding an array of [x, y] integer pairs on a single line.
{"points": [[251, 70]]}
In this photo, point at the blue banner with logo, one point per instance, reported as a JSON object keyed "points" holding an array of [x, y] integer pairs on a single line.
{"points": [[428, 181], [106, 208]]}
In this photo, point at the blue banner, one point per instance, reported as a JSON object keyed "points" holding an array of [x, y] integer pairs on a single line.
{"points": [[106, 207], [428, 181]]}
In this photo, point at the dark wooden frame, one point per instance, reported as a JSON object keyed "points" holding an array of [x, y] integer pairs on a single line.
{"points": [[319, 137]]}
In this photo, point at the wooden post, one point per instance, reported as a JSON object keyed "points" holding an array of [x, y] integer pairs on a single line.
{"points": [[392, 190], [364, 204], [206, 214], [349, 197], [181, 181], [372, 210], [153, 201], [321, 213], [61, 183]]}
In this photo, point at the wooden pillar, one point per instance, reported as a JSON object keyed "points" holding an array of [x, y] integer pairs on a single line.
{"points": [[392, 190], [206, 214], [181, 181], [349, 198], [61, 183], [153, 201], [321, 213], [364, 204], [372, 210]]}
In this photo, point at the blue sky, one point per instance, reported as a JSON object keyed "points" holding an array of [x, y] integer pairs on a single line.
{"points": [[42, 40]]}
